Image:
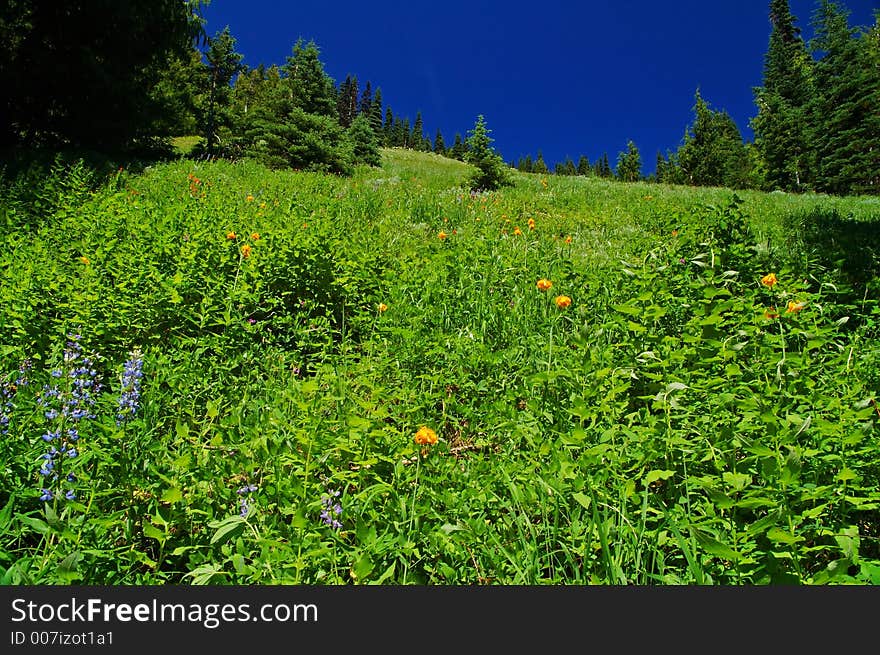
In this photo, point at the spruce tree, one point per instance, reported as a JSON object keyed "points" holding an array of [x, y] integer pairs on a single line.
{"points": [[366, 103], [846, 110], [491, 171], [417, 135], [583, 166], [346, 99], [376, 114], [364, 144], [458, 150], [781, 127], [539, 165], [388, 128], [310, 87], [223, 62], [439, 145], [629, 164]]}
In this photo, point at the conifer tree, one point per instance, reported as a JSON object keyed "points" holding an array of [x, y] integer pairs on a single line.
{"points": [[364, 144], [439, 145], [629, 164], [539, 165], [417, 136], [781, 127], [846, 109], [583, 166], [376, 114], [388, 128], [223, 62], [310, 87], [346, 99], [458, 149], [491, 171]]}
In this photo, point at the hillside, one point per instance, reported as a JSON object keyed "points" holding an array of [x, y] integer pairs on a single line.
{"points": [[305, 378]]}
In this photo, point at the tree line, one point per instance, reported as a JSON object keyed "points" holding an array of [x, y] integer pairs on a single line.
{"points": [[108, 75], [817, 127]]}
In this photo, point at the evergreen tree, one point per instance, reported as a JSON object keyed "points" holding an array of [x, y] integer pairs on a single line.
{"points": [[366, 104], [846, 110], [417, 136], [223, 62], [84, 73], [179, 92], [540, 166], [629, 164], [376, 114], [310, 88], [713, 152], [406, 134], [346, 100], [491, 171], [781, 127], [388, 128], [439, 145], [583, 167], [603, 167], [459, 149], [364, 144]]}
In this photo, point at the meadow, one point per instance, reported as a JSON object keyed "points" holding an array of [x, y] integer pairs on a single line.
{"points": [[214, 373]]}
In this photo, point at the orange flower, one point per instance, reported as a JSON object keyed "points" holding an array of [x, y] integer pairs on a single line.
{"points": [[531, 223], [771, 313], [675, 233], [231, 236], [425, 436], [250, 198], [544, 284], [85, 260], [794, 307], [563, 301], [382, 307], [246, 251], [442, 235], [769, 280], [255, 236], [568, 239], [517, 231], [544, 182], [262, 205]]}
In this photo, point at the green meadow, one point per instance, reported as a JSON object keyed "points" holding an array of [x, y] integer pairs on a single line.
{"points": [[214, 373]]}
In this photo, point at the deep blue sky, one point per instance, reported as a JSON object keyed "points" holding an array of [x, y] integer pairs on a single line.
{"points": [[563, 77]]}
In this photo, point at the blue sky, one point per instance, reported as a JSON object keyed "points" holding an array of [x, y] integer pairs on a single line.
{"points": [[563, 77]]}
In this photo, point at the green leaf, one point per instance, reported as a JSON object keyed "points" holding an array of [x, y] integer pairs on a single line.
{"points": [[37, 524], [227, 529], [362, 567], [153, 532], [653, 476], [779, 535], [582, 499], [738, 481], [715, 547], [172, 495]]}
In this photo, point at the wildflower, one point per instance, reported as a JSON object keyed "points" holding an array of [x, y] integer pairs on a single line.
{"points": [[231, 236], [544, 284], [262, 205], [544, 182], [517, 231], [425, 436], [255, 236], [382, 307], [531, 223], [568, 240], [769, 280], [675, 233], [250, 198], [85, 260], [129, 396], [441, 235], [563, 301], [246, 250], [771, 313], [794, 307], [46, 495], [331, 509], [245, 503]]}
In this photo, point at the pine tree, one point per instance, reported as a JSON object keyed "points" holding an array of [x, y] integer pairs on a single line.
{"points": [[364, 144], [439, 145], [366, 104], [540, 166], [310, 87], [376, 114], [629, 164], [417, 135], [406, 134], [223, 62], [583, 166], [846, 110], [491, 171], [458, 150], [781, 127], [388, 128], [346, 99]]}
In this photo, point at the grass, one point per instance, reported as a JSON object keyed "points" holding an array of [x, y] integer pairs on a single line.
{"points": [[674, 424]]}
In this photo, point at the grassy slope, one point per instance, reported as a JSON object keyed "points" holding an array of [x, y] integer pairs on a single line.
{"points": [[564, 454]]}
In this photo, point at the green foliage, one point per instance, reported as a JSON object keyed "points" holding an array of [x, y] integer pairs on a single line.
{"points": [[223, 62], [491, 172], [629, 164], [365, 147], [673, 424], [311, 89]]}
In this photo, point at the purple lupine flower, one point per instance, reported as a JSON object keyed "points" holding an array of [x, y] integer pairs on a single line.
{"points": [[129, 396], [246, 502], [329, 504], [46, 495]]}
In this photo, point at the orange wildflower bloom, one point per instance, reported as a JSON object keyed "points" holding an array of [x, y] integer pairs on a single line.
{"points": [[531, 223], [544, 284], [425, 436], [568, 239], [563, 301], [246, 251], [771, 313], [250, 198], [794, 307], [517, 231], [382, 307], [84, 260], [255, 236], [675, 233], [769, 280], [442, 235]]}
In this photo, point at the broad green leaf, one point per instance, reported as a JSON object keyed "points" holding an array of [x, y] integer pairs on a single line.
{"points": [[715, 547], [153, 532], [779, 535], [653, 476], [37, 524], [582, 499], [172, 495], [227, 529]]}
